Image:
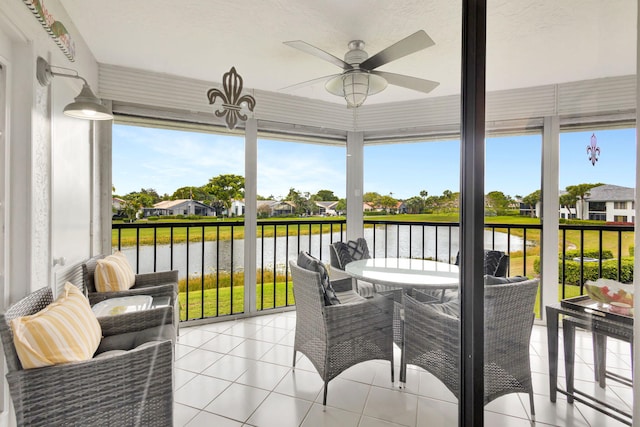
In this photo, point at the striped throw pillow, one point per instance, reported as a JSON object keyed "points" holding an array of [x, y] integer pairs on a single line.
{"points": [[113, 273], [64, 331]]}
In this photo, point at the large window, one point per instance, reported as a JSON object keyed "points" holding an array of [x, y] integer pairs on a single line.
{"points": [[304, 167], [410, 171], [305, 184], [586, 117], [169, 180], [598, 156]]}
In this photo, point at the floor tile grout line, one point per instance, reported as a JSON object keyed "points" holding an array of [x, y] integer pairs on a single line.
{"points": [[583, 417]]}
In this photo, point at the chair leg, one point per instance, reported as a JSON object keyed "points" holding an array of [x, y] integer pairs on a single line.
{"points": [[533, 409], [294, 359], [324, 399]]}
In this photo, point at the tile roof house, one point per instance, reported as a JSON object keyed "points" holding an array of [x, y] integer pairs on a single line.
{"points": [[327, 208], [179, 207]]}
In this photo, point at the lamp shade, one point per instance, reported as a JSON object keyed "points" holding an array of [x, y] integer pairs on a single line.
{"points": [[87, 106], [355, 86]]}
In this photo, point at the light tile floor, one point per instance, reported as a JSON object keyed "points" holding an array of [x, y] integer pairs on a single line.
{"points": [[239, 373]]}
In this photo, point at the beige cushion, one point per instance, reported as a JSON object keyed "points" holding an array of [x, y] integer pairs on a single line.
{"points": [[113, 273], [64, 331]]}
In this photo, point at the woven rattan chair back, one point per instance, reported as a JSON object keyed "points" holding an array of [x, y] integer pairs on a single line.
{"points": [[27, 306], [337, 337], [132, 387], [432, 341]]}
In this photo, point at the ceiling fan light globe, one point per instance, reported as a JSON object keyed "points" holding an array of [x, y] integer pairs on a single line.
{"points": [[356, 88]]}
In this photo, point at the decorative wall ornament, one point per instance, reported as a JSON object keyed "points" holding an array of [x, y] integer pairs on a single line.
{"points": [[232, 101], [56, 29], [593, 150]]}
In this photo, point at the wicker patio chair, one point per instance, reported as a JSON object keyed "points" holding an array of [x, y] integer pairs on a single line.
{"points": [[157, 284], [132, 385], [496, 263], [336, 337], [341, 254], [432, 340]]}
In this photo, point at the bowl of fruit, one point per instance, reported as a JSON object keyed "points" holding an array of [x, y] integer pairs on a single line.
{"points": [[609, 291]]}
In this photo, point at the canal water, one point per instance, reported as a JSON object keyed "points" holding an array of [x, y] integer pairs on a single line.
{"points": [[273, 251]]}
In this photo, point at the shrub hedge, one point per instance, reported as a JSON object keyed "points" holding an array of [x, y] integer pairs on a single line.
{"points": [[575, 221], [591, 270], [375, 213], [588, 253]]}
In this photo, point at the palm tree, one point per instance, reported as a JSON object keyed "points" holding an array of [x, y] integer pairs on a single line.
{"points": [[580, 192]]}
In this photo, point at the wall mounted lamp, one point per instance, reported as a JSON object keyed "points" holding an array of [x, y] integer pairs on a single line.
{"points": [[86, 105]]}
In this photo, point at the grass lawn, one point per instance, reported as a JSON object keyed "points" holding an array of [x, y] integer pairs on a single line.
{"points": [[278, 227], [212, 233], [224, 304], [219, 305]]}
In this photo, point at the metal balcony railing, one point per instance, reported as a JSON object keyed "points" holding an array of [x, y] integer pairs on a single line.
{"points": [[210, 255]]}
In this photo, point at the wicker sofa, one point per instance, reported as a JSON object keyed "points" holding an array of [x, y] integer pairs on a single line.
{"points": [[130, 384]]}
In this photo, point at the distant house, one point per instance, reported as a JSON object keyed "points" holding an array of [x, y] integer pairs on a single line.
{"points": [[117, 204], [283, 208], [179, 207], [327, 208], [611, 203], [265, 207], [237, 208], [367, 207]]}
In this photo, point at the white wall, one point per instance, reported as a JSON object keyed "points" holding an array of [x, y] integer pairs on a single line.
{"points": [[49, 159], [612, 212], [48, 174]]}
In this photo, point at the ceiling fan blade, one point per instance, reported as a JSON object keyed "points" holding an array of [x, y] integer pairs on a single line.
{"points": [[421, 85], [309, 82], [415, 42], [317, 52]]}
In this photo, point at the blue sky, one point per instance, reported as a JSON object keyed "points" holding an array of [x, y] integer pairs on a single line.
{"points": [[166, 160]]}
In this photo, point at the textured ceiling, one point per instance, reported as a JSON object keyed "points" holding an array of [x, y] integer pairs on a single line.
{"points": [[529, 43]]}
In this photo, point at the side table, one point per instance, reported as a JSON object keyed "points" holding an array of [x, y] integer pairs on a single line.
{"points": [[601, 328]]}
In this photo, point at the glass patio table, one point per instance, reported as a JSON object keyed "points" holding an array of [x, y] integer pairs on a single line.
{"points": [[406, 274]]}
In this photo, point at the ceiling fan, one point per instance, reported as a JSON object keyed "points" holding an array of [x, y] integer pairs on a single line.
{"points": [[359, 77]]}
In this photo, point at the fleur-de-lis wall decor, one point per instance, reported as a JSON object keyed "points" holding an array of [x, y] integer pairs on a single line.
{"points": [[232, 101], [593, 150]]}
